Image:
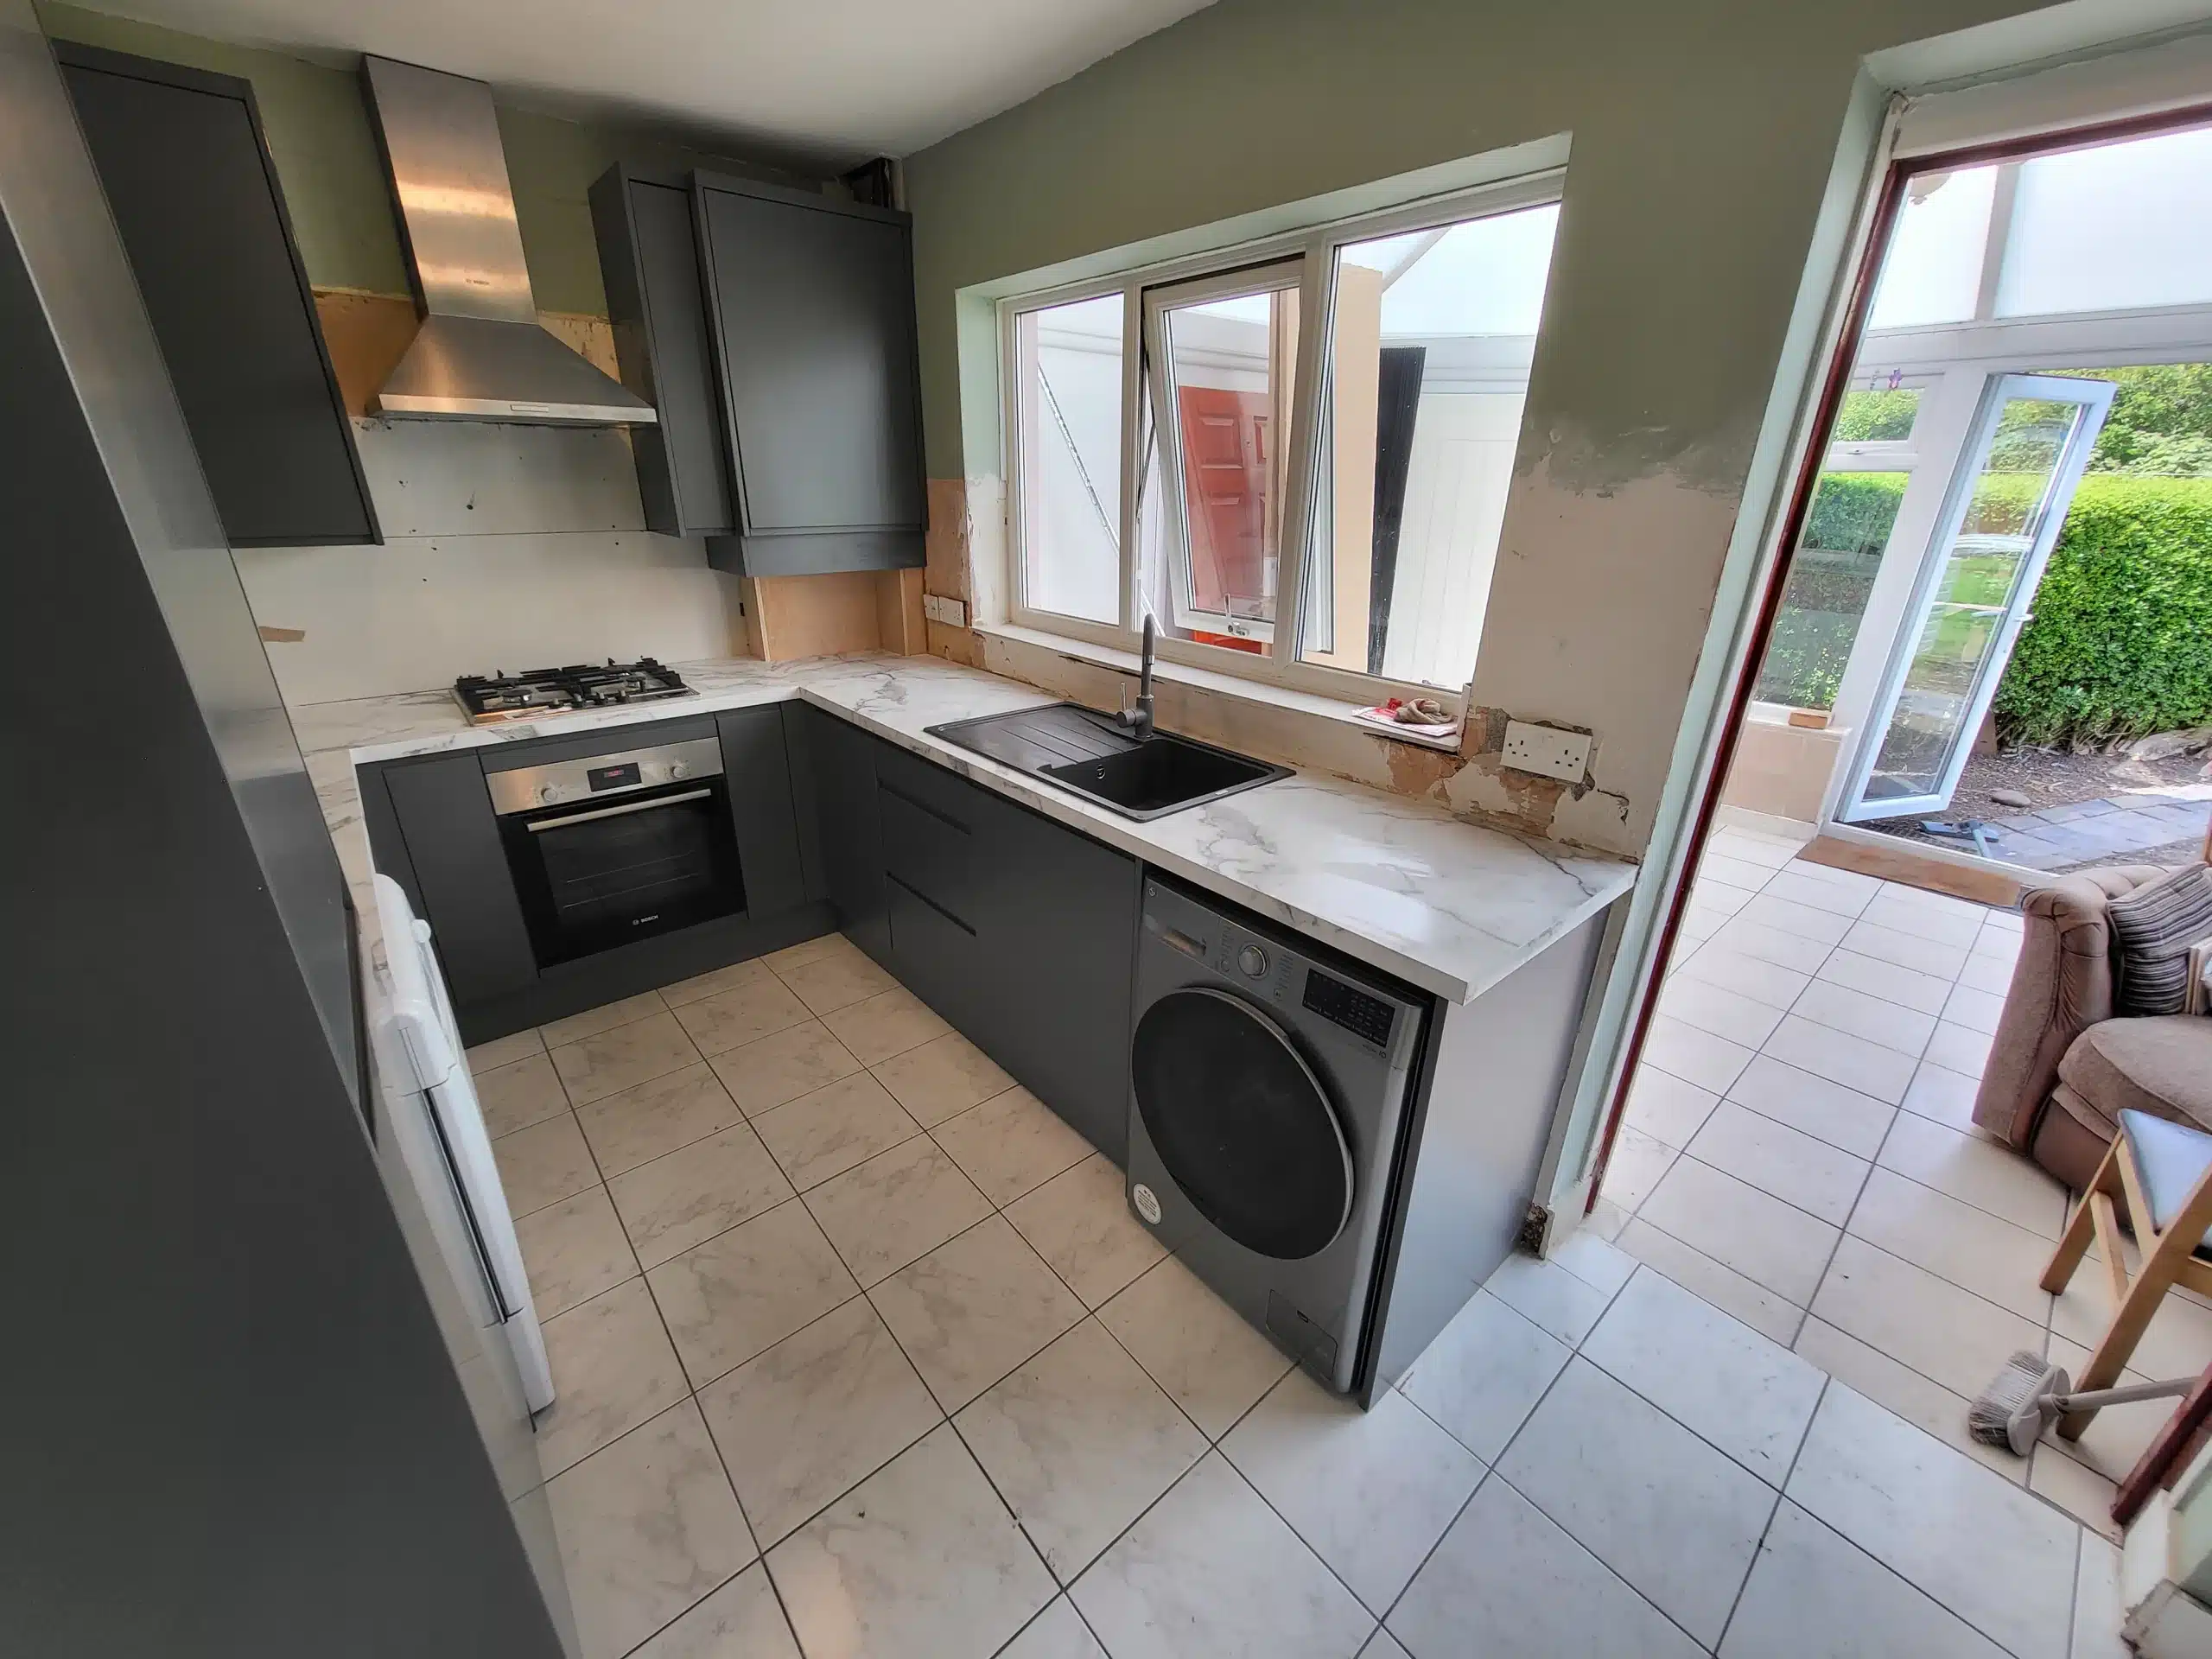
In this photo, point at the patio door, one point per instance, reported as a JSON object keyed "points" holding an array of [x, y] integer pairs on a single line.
{"points": [[2006, 505]]}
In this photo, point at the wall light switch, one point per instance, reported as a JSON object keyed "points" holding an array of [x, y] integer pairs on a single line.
{"points": [[950, 612], [1547, 750]]}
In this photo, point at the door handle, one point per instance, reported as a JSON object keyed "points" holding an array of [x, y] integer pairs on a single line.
{"points": [[539, 825]]}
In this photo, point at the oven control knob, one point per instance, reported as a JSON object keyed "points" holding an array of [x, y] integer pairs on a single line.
{"points": [[678, 769], [549, 794], [1253, 961]]}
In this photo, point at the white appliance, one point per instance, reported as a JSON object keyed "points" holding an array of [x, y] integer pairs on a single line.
{"points": [[419, 1045]]}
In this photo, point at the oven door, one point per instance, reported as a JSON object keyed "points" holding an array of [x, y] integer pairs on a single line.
{"points": [[594, 876]]}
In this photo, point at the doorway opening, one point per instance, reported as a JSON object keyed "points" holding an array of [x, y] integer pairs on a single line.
{"points": [[1993, 639], [2005, 533]]}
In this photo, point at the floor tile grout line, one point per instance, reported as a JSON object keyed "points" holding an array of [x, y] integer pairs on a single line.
{"points": [[1829, 1266], [1490, 1472], [1701, 1251], [1701, 1435], [1496, 1468], [1845, 1229]]}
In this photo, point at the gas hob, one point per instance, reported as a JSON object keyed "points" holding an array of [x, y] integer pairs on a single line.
{"points": [[539, 691]]}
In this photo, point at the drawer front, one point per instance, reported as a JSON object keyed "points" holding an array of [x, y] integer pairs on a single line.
{"points": [[934, 955], [931, 854], [942, 790]]}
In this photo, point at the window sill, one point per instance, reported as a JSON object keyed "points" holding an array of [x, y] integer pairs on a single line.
{"points": [[1777, 714], [1224, 685]]}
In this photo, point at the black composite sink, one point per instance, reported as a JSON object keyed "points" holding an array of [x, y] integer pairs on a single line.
{"points": [[1084, 752]]}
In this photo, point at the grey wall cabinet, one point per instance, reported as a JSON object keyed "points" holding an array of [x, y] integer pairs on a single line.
{"points": [[649, 255], [810, 305], [187, 176]]}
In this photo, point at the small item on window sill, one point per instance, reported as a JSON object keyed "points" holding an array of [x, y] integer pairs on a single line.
{"points": [[1425, 715]]}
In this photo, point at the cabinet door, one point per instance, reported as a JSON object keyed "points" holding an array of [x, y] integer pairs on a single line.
{"points": [[842, 767], [188, 178], [1058, 930], [757, 773], [649, 255], [468, 896], [812, 308]]}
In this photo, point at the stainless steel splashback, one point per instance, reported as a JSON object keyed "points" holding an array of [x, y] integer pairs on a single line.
{"points": [[480, 354]]}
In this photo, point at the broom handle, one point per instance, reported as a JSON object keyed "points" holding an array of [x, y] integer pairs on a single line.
{"points": [[2096, 1398]]}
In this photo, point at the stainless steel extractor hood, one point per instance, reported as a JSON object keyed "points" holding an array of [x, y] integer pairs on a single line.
{"points": [[480, 354]]}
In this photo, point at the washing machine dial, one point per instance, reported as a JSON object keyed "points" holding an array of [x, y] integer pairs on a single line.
{"points": [[1253, 961]]}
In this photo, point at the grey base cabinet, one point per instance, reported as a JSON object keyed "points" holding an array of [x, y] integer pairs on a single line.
{"points": [[1060, 917], [433, 829], [840, 807], [1020, 933]]}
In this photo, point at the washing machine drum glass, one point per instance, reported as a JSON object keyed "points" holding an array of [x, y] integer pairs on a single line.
{"points": [[1242, 1123]]}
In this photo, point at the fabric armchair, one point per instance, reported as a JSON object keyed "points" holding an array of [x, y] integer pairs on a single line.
{"points": [[2062, 986]]}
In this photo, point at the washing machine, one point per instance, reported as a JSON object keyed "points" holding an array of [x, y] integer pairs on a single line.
{"points": [[1268, 1083]]}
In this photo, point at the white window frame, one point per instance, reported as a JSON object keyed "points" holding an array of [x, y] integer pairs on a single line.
{"points": [[1166, 445], [1233, 269]]}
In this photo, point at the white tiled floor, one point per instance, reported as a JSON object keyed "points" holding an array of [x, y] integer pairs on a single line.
{"points": [[1799, 1150], [860, 1353]]}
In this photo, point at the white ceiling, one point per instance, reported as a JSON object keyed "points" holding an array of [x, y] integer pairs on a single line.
{"points": [[831, 80]]}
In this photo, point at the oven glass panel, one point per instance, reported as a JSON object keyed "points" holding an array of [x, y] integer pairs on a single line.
{"points": [[594, 877]]}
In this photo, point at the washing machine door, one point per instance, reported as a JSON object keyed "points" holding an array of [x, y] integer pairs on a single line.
{"points": [[1241, 1122]]}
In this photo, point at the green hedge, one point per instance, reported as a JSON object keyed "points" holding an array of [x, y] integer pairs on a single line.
{"points": [[2121, 639]]}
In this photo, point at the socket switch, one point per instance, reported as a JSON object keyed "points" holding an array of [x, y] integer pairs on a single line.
{"points": [[1547, 750]]}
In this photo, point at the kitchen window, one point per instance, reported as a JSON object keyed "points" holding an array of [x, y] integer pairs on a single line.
{"points": [[1294, 456]]}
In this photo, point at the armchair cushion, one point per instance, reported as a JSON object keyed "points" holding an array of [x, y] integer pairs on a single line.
{"points": [[2161, 1067], [2152, 930]]}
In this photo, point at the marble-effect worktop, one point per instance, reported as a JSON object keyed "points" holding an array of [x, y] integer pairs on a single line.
{"points": [[1397, 883]]}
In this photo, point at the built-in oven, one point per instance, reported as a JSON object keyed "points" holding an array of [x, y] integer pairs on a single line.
{"points": [[606, 849]]}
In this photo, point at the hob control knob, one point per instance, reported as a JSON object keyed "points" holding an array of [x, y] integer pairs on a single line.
{"points": [[1253, 961], [678, 769]]}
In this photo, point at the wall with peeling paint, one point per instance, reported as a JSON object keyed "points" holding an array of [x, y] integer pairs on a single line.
{"points": [[1703, 132]]}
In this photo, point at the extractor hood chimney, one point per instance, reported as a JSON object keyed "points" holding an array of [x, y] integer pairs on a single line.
{"points": [[480, 354]]}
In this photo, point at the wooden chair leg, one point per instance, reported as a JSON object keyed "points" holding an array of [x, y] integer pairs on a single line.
{"points": [[2074, 1243], [2144, 1296]]}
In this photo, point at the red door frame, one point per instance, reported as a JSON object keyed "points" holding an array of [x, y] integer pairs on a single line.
{"points": [[1838, 381]]}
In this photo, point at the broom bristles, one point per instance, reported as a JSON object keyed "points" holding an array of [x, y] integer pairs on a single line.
{"points": [[2027, 1378]]}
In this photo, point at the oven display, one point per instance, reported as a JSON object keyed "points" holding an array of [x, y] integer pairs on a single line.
{"points": [[622, 777]]}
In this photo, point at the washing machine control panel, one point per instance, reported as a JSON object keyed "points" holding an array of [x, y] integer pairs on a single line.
{"points": [[1348, 1005], [1276, 976]]}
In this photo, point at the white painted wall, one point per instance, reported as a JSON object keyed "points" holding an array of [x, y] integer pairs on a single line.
{"points": [[1456, 485], [506, 547]]}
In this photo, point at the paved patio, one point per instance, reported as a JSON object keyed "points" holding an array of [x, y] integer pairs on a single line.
{"points": [[1799, 1151], [2148, 826]]}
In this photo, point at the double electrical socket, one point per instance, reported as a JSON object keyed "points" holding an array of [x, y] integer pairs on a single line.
{"points": [[1547, 750]]}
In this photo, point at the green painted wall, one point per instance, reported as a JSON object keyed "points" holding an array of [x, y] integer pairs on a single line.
{"points": [[1702, 134], [326, 153], [1707, 148]]}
